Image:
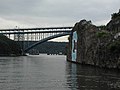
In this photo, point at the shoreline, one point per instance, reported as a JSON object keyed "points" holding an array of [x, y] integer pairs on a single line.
{"points": [[94, 66], [12, 55]]}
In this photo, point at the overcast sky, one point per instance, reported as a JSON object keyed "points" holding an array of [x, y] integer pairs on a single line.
{"points": [[42, 13], [47, 13]]}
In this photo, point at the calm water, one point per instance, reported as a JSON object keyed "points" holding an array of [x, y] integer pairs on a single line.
{"points": [[45, 72]]}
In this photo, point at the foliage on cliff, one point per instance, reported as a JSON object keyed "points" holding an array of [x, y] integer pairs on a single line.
{"points": [[116, 15], [114, 28], [103, 34], [114, 47], [8, 47], [114, 25]]}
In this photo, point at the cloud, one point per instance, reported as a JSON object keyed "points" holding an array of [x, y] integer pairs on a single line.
{"points": [[11, 24], [56, 12], [45, 13]]}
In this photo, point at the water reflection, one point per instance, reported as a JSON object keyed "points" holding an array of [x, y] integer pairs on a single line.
{"points": [[90, 78], [53, 73], [10, 73]]}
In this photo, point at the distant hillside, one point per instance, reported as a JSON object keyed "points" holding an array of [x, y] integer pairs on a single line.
{"points": [[49, 47], [8, 47]]}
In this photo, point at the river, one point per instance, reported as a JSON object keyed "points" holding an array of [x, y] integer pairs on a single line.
{"points": [[53, 72]]}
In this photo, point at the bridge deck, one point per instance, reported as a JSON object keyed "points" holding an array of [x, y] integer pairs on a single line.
{"points": [[46, 28], [58, 31]]}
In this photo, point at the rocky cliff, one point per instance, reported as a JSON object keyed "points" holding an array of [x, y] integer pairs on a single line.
{"points": [[99, 46]]}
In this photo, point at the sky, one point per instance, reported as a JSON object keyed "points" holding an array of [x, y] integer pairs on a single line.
{"points": [[51, 13]]}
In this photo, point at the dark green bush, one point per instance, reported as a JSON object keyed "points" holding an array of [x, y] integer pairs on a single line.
{"points": [[116, 15], [102, 34], [102, 27], [114, 47]]}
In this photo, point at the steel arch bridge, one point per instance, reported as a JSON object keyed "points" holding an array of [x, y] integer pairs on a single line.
{"points": [[40, 35]]}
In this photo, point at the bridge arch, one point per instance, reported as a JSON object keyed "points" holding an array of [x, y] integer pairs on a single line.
{"points": [[46, 39]]}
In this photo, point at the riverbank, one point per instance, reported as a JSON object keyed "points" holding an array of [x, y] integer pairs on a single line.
{"points": [[12, 55], [95, 67], [9, 47]]}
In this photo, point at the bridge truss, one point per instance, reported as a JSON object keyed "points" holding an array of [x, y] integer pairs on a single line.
{"points": [[35, 34]]}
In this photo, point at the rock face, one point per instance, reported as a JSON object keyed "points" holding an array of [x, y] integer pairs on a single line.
{"points": [[97, 46]]}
